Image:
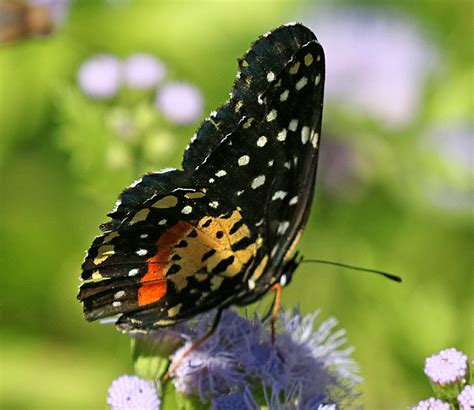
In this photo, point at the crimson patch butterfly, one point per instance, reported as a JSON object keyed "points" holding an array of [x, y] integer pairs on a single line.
{"points": [[222, 230]]}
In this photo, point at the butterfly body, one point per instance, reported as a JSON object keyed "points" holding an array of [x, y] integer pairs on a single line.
{"points": [[221, 231]]}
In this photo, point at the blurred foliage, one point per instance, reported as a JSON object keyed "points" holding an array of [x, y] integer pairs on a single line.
{"points": [[57, 189]]}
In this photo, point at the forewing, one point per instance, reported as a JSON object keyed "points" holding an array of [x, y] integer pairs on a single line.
{"points": [[267, 165], [267, 57]]}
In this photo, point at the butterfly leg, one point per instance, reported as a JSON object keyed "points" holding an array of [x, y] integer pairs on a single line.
{"points": [[276, 308], [194, 346]]}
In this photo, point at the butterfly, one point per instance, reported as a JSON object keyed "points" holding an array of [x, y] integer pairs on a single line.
{"points": [[222, 230]]}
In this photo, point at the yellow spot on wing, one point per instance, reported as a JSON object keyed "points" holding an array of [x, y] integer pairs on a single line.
{"points": [[294, 69], [259, 269], [195, 195], [308, 59], [103, 253], [96, 275], [216, 282], [166, 202], [141, 215], [111, 236], [174, 310]]}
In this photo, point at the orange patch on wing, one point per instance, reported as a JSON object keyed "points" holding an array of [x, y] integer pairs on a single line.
{"points": [[154, 281]]}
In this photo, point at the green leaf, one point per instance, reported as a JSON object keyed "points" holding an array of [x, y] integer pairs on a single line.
{"points": [[185, 402], [150, 354]]}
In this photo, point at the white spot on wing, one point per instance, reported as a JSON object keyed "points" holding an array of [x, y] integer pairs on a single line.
{"points": [[294, 200], [251, 284], [258, 182], [282, 135], [287, 165], [301, 83], [214, 204], [272, 115], [304, 134], [314, 139], [187, 210], [293, 125], [119, 294], [284, 95], [162, 222], [141, 252], [270, 76], [279, 195], [262, 141], [270, 163], [221, 173], [282, 227], [116, 304], [133, 272], [308, 59], [283, 280], [238, 193], [317, 79], [143, 236], [258, 223], [211, 180], [274, 251], [243, 160]]}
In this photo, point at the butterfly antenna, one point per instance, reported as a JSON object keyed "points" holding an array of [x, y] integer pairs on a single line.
{"points": [[390, 276]]}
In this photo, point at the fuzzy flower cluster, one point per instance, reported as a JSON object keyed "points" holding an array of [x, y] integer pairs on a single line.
{"points": [[131, 393], [446, 367], [103, 75], [432, 404], [466, 398], [304, 368], [239, 367], [448, 372]]}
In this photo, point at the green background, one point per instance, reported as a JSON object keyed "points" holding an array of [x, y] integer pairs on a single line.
{"points": [[54, 194]]}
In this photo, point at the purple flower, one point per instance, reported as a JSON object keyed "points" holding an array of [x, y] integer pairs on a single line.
{"points": [[446, 367], [235, 401], [132, 392], [327, 407], [207, 371], [143, 71], [376, 62], [302, 366], [181, 103], [466, 398], [101, 76], [431, 404], [324, 343]]}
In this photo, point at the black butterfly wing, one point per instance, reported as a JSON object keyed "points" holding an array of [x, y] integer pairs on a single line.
{"points": [[267, 166], [183, 242], [162, 257], [267, 56]]}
